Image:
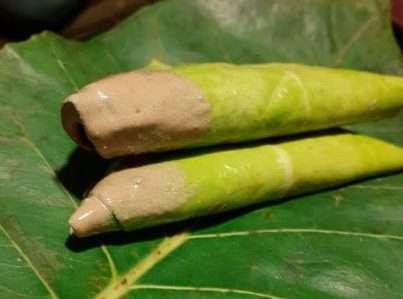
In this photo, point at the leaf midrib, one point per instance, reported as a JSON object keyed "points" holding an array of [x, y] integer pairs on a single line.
{"points": [[127, 282], [121, 285]]}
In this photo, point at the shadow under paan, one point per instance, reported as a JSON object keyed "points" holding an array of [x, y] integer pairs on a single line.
{"points": [[82, 171]]}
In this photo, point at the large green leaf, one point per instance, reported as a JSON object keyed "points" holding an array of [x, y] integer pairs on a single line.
{"points": [[343, 243]]}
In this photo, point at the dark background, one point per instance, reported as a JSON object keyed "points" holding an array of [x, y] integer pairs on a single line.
{"points": [[76, 19], [80, 19]]}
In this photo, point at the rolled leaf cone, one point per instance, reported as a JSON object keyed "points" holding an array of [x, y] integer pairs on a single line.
{"points": [[164, 108], [222, 180]]}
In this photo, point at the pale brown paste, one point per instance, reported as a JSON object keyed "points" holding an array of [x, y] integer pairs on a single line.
{"points": [[136, 112], [137, 194], [92, 217]]}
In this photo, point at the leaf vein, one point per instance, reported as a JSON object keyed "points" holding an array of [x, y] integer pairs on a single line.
{"points": [[204, 289], [29, 263], [377, 187], [296, 231], [354, 37], [121, 285], [20, 294], [63, 67], [104, 249]]}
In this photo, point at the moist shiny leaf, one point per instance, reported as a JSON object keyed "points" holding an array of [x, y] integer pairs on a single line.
{"points": [[343, 243]]}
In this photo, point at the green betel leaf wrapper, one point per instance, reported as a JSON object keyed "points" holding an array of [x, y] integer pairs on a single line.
{"points": [[162, 108], [222, 180]]}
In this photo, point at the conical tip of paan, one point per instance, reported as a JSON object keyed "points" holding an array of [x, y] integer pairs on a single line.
{"points": [[91, 218]]}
